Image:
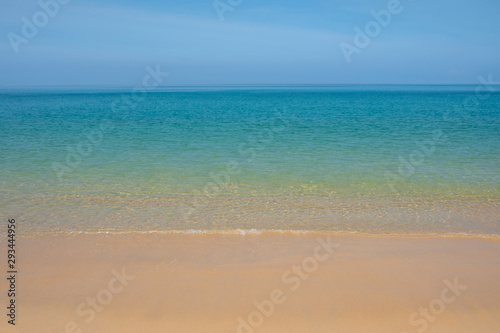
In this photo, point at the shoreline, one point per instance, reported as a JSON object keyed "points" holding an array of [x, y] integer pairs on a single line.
{"points": [[255, 232], [301, 214]]}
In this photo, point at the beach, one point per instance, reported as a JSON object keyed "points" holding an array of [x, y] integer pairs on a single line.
{"points": [[310, 282], [230, 166], [254, 209]]}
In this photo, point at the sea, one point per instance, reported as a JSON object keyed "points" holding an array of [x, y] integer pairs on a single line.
{"points": [[367, 159]]}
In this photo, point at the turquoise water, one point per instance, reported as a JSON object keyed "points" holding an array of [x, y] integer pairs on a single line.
{"points": [[340, 158]]}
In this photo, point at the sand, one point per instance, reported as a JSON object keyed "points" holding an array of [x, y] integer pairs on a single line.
{"points": [[255, 283]]}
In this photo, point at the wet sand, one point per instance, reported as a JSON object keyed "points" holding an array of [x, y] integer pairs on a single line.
{"points": [[255, 283]]}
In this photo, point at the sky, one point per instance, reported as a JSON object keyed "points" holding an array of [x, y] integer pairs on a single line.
{"points": [[207, 42]]}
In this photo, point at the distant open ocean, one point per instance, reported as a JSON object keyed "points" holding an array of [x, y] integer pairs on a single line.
{"points": [[364, 159]]}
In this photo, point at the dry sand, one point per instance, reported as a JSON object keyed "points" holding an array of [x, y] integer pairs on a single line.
{"points": [[205, 283]]}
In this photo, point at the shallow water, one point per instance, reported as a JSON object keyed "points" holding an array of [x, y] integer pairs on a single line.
{"points": [[371, 159]]}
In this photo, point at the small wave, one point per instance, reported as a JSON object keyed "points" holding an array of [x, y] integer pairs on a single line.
{"points": [[253, 231]]}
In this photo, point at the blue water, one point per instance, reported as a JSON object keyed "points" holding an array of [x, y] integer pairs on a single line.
{"points": [[262, 157]]}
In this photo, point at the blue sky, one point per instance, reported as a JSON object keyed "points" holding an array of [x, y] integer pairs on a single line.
{"points": [[266, 42]]}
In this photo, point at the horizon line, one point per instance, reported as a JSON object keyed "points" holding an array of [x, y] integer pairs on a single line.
{"points": [[233, 85]]}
